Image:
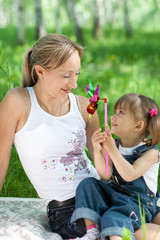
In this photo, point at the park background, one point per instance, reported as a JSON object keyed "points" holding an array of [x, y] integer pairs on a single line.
{"points": [[122, 52]]}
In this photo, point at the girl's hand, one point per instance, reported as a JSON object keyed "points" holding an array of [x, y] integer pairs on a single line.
{"points": [[97, 139], [109, 142]]}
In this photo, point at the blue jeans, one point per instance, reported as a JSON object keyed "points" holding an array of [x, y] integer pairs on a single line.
{"points": [[111, 208], [59, 220]]}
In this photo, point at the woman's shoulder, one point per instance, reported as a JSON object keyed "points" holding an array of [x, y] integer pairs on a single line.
{"points": [[17, 91], [15, 98], [13, 107], [83, 100], [14, 94]]}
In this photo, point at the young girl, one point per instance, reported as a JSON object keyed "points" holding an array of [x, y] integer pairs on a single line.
{"points": [[109, 206]]}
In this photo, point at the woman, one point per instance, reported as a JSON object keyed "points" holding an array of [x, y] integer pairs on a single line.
{"points": [[50, 128]]}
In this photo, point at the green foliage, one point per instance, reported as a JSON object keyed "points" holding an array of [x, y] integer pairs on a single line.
{"points": [[117, 64], [143, 219], [126, 234]]}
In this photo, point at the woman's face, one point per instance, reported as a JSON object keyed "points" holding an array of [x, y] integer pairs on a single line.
{"points": [[60, 81]]}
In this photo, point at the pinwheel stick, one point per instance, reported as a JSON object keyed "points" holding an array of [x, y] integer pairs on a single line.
{"points": [[106, 120], [92, 107]]}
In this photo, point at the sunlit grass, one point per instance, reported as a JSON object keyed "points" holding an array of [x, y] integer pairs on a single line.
{"points": [[126, 234], [16, 182], [142, 215]]}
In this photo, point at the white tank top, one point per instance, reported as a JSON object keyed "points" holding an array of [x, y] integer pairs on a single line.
{"points": [[51, 150]]}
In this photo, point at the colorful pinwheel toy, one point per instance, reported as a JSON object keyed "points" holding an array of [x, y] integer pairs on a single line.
{"points": [[92, 107]]}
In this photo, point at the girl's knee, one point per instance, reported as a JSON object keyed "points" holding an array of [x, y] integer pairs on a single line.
{"points": [[87, 187], [87, 183]]}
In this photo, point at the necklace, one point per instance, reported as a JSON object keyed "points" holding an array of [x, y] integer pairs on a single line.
{"points": [[53, 106], [54, 110], [60, 107]]}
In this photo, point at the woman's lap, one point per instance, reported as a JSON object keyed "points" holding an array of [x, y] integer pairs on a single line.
{"points": [[59, 220]]}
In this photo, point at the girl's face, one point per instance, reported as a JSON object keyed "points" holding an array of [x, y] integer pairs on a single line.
{"points": [[60, 81], [122, 122]]}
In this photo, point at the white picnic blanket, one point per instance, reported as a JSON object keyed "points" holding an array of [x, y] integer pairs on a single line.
{"points": [[24, 219]]}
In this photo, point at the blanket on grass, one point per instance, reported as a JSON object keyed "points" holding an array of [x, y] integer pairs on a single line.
{"points": [[24, 219]]}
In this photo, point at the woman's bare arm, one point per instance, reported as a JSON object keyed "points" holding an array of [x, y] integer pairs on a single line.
{"points": [[12, 112]]}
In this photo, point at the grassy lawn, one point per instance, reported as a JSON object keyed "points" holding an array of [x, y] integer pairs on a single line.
{"points": [[117, 64]]}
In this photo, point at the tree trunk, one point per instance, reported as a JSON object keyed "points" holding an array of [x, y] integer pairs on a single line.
{"points": [[74, 17], [57, 20], [157, 2], [109, 11], [2, 15], [128, 28], [98, 18], [19, 9], [39, 28]]}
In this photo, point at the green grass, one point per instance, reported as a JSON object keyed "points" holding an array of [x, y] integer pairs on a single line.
{"points": [[143, 221], [16, 183], [126, 234], [117, 64]]}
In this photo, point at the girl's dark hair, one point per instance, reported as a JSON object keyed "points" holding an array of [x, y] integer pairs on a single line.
{"points": [[139, 106], [50, 52]]}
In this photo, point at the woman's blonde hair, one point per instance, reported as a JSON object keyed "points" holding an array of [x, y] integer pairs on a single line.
{"points": [[140, 106], [50, 52]]}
